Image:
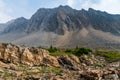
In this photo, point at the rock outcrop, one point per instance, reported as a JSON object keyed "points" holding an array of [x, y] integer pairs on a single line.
{"points": [[14, 54]]}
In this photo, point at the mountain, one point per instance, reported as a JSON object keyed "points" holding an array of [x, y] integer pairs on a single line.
{"points": [[67, 18], [17, 25], [54, 20], [5, 25], [15, 29], [65, 27]]}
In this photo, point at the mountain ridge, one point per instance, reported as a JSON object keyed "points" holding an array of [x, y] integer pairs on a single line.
{"points": [[64, 27]]}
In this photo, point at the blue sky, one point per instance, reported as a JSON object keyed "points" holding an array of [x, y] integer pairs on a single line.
{"points": [[11, 9]]}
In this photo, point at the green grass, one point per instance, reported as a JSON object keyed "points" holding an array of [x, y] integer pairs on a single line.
{"points": [[6, 74], [56, 71], [98, 65], [78, 51], [60, 53], [110, 56]]}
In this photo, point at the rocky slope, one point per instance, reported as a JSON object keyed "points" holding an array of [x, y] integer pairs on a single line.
{"points": [[2, 27], [16, 26], [26, 63], [65, 27]]}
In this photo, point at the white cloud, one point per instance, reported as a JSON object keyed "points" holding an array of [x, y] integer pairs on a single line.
{"points": [[4, 18], [20, 8], [111, 6], [4, 12], [70, 2]]}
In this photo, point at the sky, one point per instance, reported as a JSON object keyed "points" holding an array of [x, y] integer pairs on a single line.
{"points": [[12, 9]]}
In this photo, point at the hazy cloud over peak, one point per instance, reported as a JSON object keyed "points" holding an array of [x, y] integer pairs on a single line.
{"points": [[4, 12], [111, 6]]}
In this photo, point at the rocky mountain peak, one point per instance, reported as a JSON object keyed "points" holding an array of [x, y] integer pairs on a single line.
{"points": [[20, 19], [65, 8], [16, 25], [91, 10]]}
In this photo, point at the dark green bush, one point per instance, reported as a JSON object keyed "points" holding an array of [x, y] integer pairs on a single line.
{"points": [[68, 51], [81, 51], [77, 51], [52, 49]]}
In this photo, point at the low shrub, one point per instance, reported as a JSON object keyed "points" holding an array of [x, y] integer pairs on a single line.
{"points": [[68, 51], [80, 51], [52, 49], [110, 56]]}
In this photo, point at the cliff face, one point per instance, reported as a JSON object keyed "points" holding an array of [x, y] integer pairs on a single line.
{"points": [[64, 18], [57, 20], [34, 63]]}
